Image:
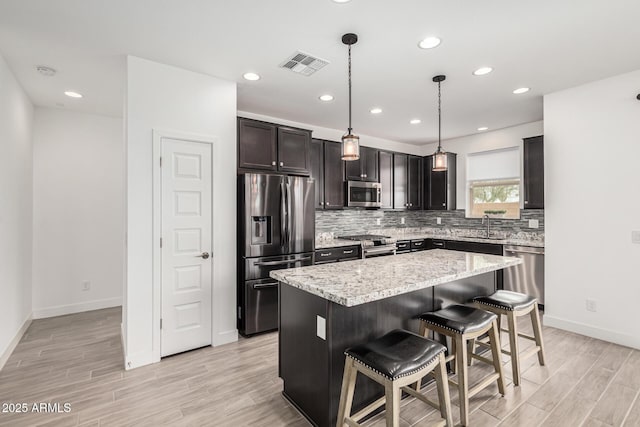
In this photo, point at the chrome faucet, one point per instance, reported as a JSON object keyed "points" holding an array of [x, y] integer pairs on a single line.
{"points": [[488, 224]]}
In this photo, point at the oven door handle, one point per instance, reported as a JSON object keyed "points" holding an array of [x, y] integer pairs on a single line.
{"points": [[379, 251], [285, 262], [265, 285]]}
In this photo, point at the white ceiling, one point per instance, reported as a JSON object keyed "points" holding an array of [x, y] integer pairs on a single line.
{"points": [[547, 45]]}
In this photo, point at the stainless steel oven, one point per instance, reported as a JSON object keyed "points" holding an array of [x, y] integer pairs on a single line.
{"points": [[364, 194]]}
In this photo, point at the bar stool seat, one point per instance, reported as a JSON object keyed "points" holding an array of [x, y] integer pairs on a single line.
{"points": [[513, 305], [396, 354], [460, 319], [464, 324], [396, 361], [507, 300]]}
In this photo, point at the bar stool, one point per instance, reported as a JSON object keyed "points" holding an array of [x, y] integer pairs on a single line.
{"points": [[514, 305], [395, 361], [463, 323]]}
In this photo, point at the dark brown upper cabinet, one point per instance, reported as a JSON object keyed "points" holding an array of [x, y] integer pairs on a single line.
{"points": [[293, 151], [534, 172], [386, 179], [440, 187], [317, 172], [365, 168], [327, 169], [414, 179], [407, 182], [257, 145], [333, 176], [400, 181], [270, 147]]}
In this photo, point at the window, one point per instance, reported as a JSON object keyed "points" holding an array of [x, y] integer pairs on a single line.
{"points": [[493, 184]]}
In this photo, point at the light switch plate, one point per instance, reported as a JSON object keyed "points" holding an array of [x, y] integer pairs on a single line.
{"points": [[635, 237], [402, 220], [534, 223], [438, 220], [321, 327]]}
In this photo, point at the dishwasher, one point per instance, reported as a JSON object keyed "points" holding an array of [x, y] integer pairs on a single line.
{"points": [[528, 277]]}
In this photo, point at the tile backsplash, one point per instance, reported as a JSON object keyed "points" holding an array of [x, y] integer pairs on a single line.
{"points": [[358, 221]]}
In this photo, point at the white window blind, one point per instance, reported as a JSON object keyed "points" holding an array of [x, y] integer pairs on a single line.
{"points": [[494, 165]]}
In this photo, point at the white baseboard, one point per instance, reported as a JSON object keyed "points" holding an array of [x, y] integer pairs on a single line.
{"points": [[133, 361], [592, 331], [61, 310], [225, 337], [14, 342]]}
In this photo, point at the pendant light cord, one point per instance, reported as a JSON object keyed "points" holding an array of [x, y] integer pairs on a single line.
{"points": [[439, 118], [350, 90]]}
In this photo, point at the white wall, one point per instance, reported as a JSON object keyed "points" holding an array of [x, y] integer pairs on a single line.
{"points": [[168, 98], [592, 149], [485, 141], [336, 134], [78, 226], [16, 167]]}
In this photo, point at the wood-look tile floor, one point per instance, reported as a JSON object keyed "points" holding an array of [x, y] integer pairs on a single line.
{"points": [[77, 359]]}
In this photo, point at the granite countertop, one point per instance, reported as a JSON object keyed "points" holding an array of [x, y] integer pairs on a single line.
{"points": [[357, 282], [497, 241], [336, 243]]}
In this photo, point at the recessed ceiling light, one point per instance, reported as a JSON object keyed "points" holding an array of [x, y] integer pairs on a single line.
{"points": [[72, 94], [415, 121], [326, 98], [251, 76], [482, 71], [376, 110], [429, 43], [482, 128], [341, 1], [521, 90]]}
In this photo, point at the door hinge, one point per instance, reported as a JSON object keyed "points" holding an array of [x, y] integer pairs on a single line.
{"points": [[161, 242], [160, 323]]}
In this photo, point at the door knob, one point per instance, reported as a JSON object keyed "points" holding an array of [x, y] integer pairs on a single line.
{"points": [[203, 255]]}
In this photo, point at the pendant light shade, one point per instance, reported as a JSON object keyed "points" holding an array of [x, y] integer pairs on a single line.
{"points": [[350, 142], [439, 157]]}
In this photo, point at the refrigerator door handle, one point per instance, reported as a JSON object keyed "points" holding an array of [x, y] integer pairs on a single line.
{"points": [[289, 215], [285, 262], [283, 215]]}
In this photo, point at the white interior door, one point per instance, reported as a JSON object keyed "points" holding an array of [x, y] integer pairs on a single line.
{"points": [[186, 245]]}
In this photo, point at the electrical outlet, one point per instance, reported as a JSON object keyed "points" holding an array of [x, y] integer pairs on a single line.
{"points": [[635, 237], [402, 220], [378, 221], [534, 223], [438, 220], [591, 305], [86, 285], [321, 327]]}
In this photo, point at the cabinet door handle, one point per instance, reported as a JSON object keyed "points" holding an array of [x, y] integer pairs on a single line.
{"points": [[347, 252], [438, 244], [281, 163], [326, 203], [526, 202], [365, 175], [444, 204], [273, 163], [410, 204], [325, 254], [417, 243]]}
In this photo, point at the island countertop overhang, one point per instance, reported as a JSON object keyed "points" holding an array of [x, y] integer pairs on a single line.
{"points": [[358, 282]]}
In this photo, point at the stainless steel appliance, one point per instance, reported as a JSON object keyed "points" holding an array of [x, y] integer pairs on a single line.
{"points": [[364, 194], [528, 277], [374, 245], [276, 229]]}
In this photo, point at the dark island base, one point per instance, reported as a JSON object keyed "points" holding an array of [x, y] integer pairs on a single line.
{"points": [[312, 367]]}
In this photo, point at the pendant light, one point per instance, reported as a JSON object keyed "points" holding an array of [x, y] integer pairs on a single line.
{"points": [[439, 157], [350, 142]]}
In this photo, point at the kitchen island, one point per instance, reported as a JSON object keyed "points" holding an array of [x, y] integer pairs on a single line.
{"points": [[325, 309]]}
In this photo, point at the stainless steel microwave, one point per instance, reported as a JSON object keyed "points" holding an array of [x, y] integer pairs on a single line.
{"points": [[364, 194]]}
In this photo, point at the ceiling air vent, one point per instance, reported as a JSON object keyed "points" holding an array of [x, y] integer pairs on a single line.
{"points": [[303, 63]]}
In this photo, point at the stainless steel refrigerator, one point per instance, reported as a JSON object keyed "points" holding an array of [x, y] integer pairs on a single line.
{"points": [[276, 229]]}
